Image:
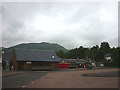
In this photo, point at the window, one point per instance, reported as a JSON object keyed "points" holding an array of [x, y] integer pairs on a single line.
{"points": [[53, 57]]}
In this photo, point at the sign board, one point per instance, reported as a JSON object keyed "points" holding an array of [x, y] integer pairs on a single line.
{"points": [[63, 66], [28, 62]]}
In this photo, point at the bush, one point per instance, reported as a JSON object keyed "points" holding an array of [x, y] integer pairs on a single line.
{"points": [[110, 64]]}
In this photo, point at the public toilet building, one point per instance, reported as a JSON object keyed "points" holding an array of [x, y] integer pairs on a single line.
{"points": [[24, 59]]}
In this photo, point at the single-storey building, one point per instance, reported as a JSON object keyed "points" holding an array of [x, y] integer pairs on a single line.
{"points": [[24, 59], [76, 63], [81, 63], [108, 57], [72, 63]]}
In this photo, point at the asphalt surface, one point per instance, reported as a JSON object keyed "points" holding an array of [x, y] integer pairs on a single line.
{"points": [[105, 74], [18, 81]]}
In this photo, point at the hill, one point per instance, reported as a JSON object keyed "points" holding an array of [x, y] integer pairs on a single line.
{"points": [[39, 46]]}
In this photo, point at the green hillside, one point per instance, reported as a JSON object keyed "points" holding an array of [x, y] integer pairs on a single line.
{"points": [[39, 46]]}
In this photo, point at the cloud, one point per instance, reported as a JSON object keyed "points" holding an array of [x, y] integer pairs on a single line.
{"points": [[69, 24]]}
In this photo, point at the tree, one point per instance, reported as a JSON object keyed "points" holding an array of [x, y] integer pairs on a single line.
{"points": [[105, 47], [76, 53], [88, 53], [81, 52], [115, 54], [73, 53], [94, 52], [61, 54]]}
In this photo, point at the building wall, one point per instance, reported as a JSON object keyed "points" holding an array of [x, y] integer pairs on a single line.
{"points": [[41, 66], [44, 65], [54, 65], [108, 58], [14, 62], [27, 66]]}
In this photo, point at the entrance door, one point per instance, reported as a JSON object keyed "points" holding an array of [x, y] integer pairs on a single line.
{"points": [[20, 65], [41, 66]]}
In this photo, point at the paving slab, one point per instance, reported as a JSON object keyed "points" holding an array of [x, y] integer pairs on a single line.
{"points": [[74, 79]]}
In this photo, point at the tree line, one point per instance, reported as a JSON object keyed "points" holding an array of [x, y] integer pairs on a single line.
{"points": [[95, 53]]}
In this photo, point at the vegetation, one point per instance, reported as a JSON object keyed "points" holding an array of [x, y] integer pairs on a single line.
{"points": [[38, 46], [95, 53]]}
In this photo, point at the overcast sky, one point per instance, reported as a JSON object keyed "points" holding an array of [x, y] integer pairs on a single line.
{"points": [[68, 24]]}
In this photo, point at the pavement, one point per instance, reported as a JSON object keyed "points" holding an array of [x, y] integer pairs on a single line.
{"points": [[75, 79]]}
